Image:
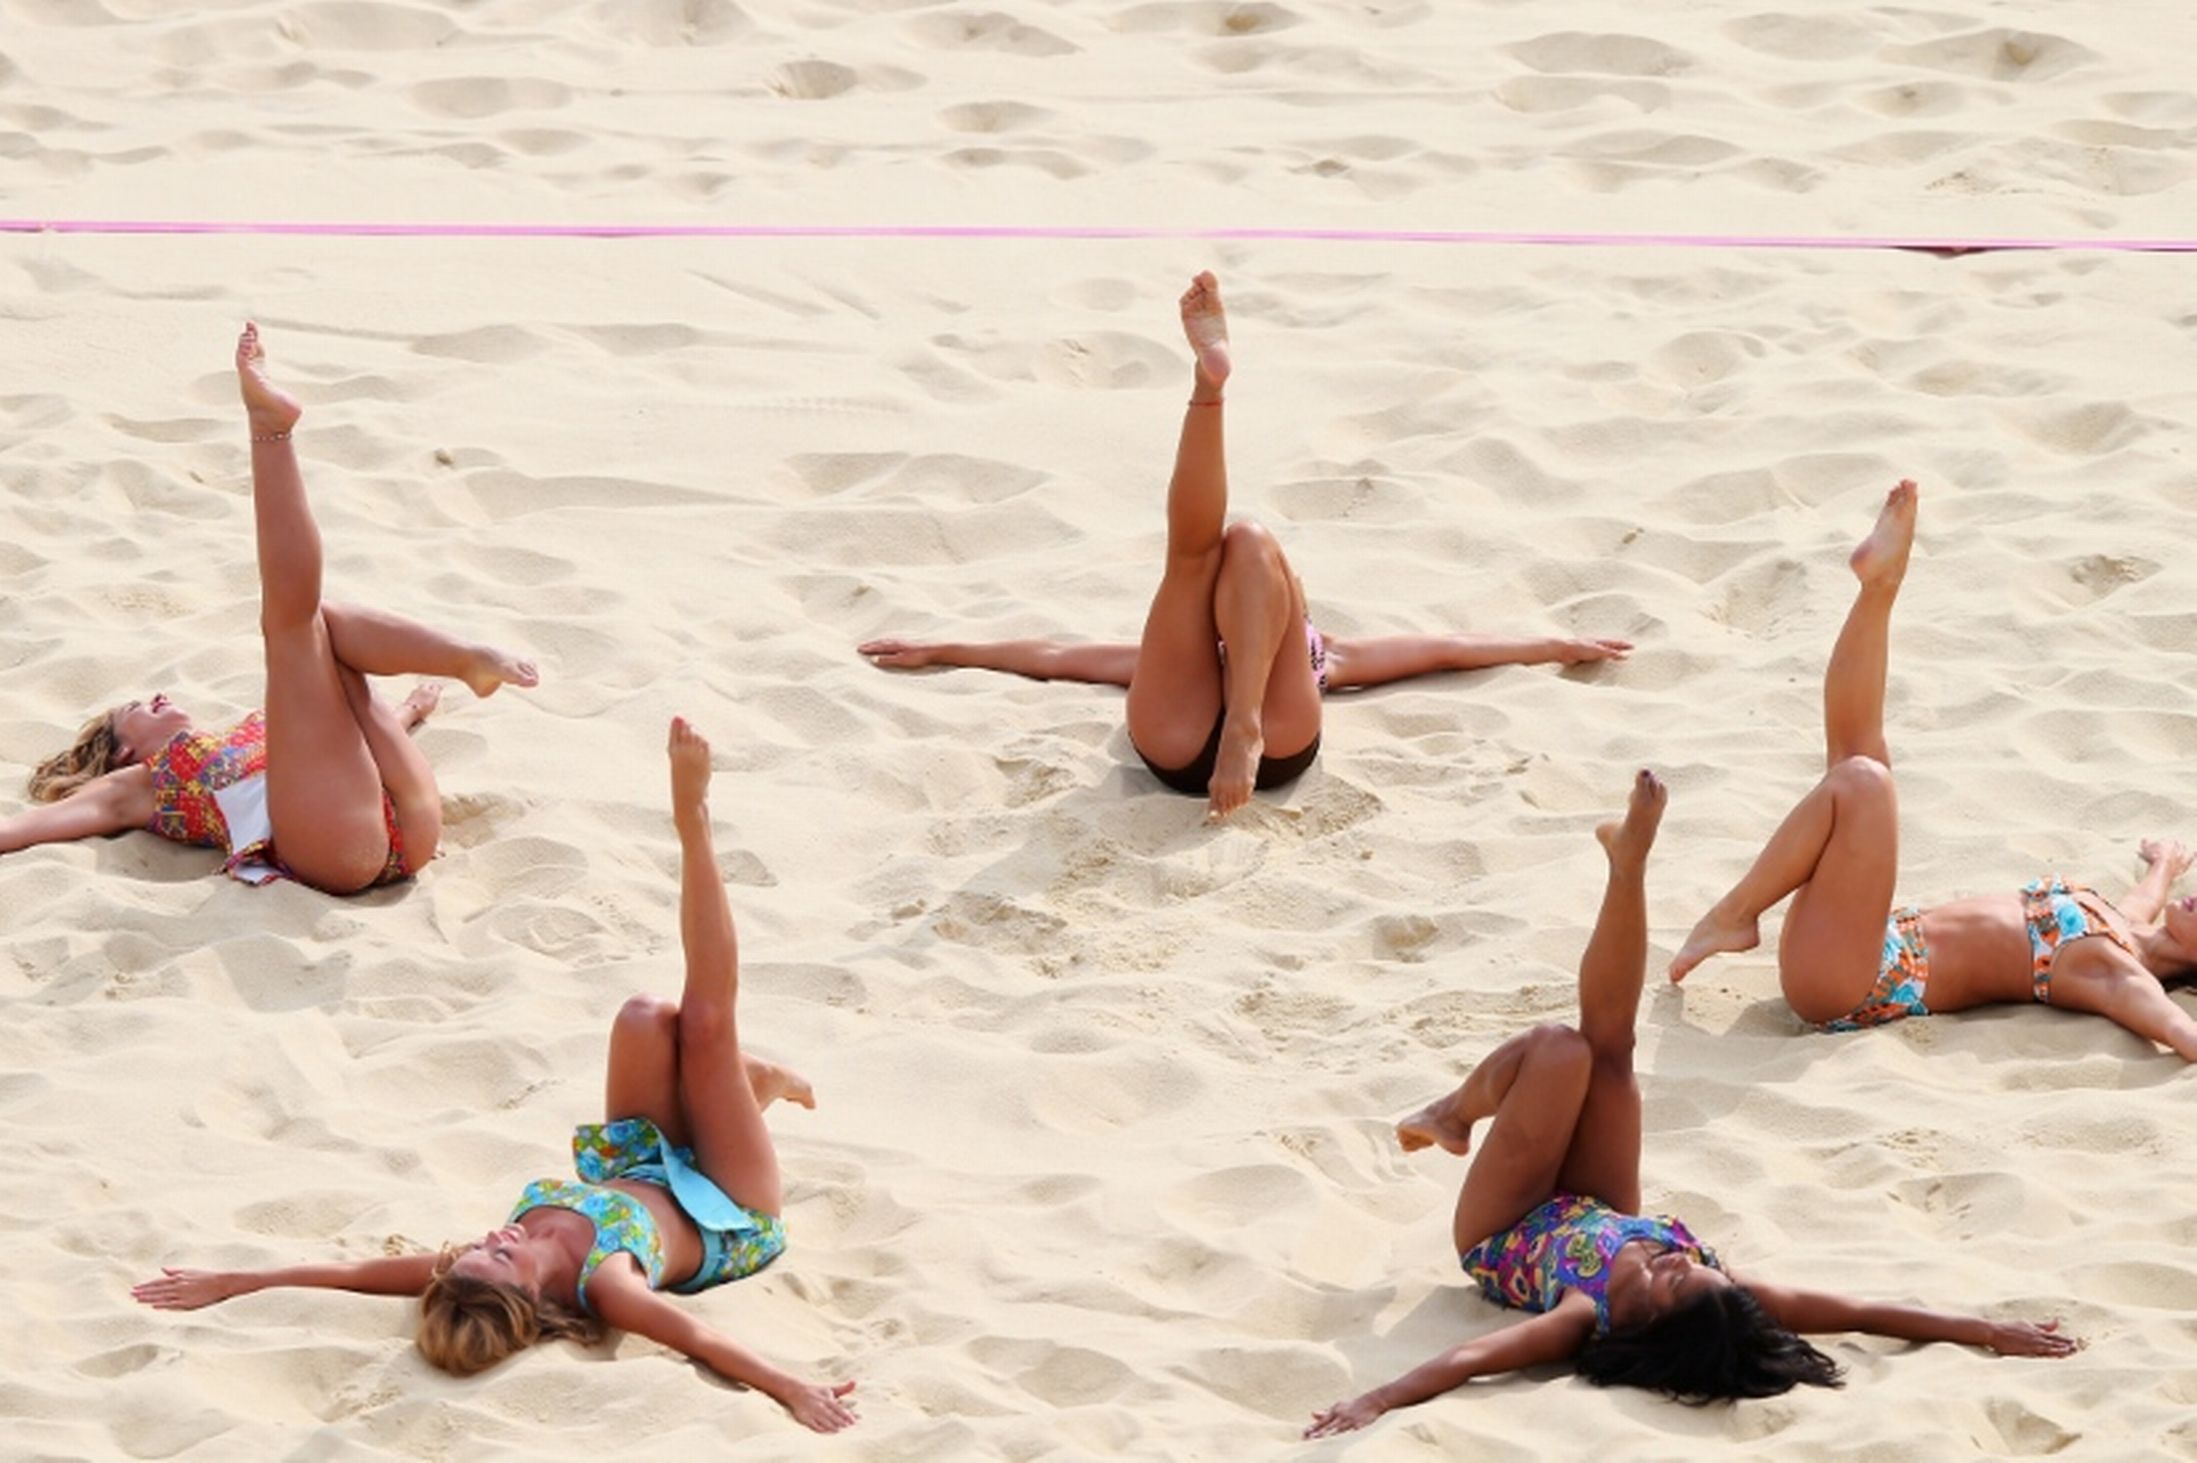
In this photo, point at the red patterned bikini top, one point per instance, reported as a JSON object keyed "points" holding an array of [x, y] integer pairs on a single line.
{"points": [[211, 790]]}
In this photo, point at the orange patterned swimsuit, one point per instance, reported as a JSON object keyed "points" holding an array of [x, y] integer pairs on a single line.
{"points": [[211, 791]]}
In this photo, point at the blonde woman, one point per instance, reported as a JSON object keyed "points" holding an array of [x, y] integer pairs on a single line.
{"points": [[679, 1189], [324, 786]]}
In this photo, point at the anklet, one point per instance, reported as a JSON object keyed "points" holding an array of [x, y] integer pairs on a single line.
{"points": [[273, 437], [1216, 401]]}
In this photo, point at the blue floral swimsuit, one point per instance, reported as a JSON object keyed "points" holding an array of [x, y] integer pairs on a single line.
{"points": [[736, 1241]]}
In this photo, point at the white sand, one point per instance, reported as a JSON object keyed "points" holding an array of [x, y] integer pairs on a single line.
{"points": [[1103, 1165]]}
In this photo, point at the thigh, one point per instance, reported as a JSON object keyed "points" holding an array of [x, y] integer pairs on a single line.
{"points": [[1604, 1157], [642, 1076], [323, 790], [724, 1123], [403, 768], [1175, 691], [1516, 1163], [1832, 945], [1291, 714]]}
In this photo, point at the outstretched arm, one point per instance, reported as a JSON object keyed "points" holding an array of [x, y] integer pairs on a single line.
{"points": [[115, 803], [1816, 1312], [1556, 1336], [2165, 861], [1040, 660], [187, 1290], [622, 1298], [1378, 660]]}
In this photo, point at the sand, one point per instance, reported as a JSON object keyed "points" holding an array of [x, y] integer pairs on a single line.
{"points": [[1103, 1165]]}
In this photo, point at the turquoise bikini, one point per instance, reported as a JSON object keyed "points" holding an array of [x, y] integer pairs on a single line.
{"points": [[736, 1241]]}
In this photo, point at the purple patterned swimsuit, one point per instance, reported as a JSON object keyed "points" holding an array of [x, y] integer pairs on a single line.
{"points": [[1567, 1244]]}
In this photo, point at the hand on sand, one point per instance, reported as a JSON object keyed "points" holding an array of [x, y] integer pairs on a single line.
{"points": [[185, 1290], [1344, 1417], [2167, 851], [1583, 652], [689, 767], [2027, 1338], [821, 1406], [892, 654]]}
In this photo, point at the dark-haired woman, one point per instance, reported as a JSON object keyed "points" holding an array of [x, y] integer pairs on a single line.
{"points": [[324, 786], [1225, 685], [1548, 1219], [678, 1189], [1847, 958]]}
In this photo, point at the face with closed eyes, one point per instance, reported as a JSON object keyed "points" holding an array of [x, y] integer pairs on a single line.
{"points": [[1647, 1284], [142, 728], [503, 1256]]}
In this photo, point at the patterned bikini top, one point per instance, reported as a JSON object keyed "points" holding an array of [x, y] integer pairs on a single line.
{"points": [[622, 1225], [211, 790], [1568, 1244]]}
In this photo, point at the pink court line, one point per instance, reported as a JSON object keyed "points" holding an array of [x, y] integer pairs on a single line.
{"points": [[354, 229]]}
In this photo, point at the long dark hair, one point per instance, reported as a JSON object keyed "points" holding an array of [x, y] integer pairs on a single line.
{"points": [[1720, 1346]]}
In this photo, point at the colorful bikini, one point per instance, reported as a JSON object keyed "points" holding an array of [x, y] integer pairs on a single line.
{"points": [[211, 791], [2055, 913], [1567, 1243], [736, 1241]]}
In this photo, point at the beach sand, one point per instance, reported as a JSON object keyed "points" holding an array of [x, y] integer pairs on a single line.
{"points": [[1104, 1164]]}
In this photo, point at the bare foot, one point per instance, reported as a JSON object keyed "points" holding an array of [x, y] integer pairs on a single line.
{"points": [[269, 409], [1206, 325], [1627, 841], [421, 704], [493, 668], [689, 767], [1439, 1122], [770, 1082], [1235, 768], [1880, 560], [1717, 934]]}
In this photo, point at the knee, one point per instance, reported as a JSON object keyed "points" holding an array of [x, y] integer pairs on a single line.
{"points": [[1860, 776], [648, 1018], [1247, 541], [1560, 1046], [704, 1028]]}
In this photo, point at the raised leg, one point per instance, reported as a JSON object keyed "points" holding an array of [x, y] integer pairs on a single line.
{"points": [[1853, 680], [1604, 1158], [1837, 853], [723, 1119], [403, 769], [323, 788], [1175, 689], [1533, 1087], [1271, 696], [382, 644], [642, 1080]]}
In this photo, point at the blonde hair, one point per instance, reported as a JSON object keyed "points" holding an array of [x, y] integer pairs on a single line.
{"points": [[92, 756], [467, 1325]]}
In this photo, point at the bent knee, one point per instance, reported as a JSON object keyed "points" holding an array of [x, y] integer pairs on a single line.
{"points": [[1861, 774], [1554, 1042], [706, 1027], [654, 1017], [1248, 538]]}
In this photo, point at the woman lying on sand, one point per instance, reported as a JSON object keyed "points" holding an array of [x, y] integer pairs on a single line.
{"points": [[1224, 688], [680, 1186], [1845, 963], [1548, 1219], [325, 786]]}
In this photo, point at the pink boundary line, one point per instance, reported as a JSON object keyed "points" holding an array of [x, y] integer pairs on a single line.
{"points": [[1082, 231]]}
